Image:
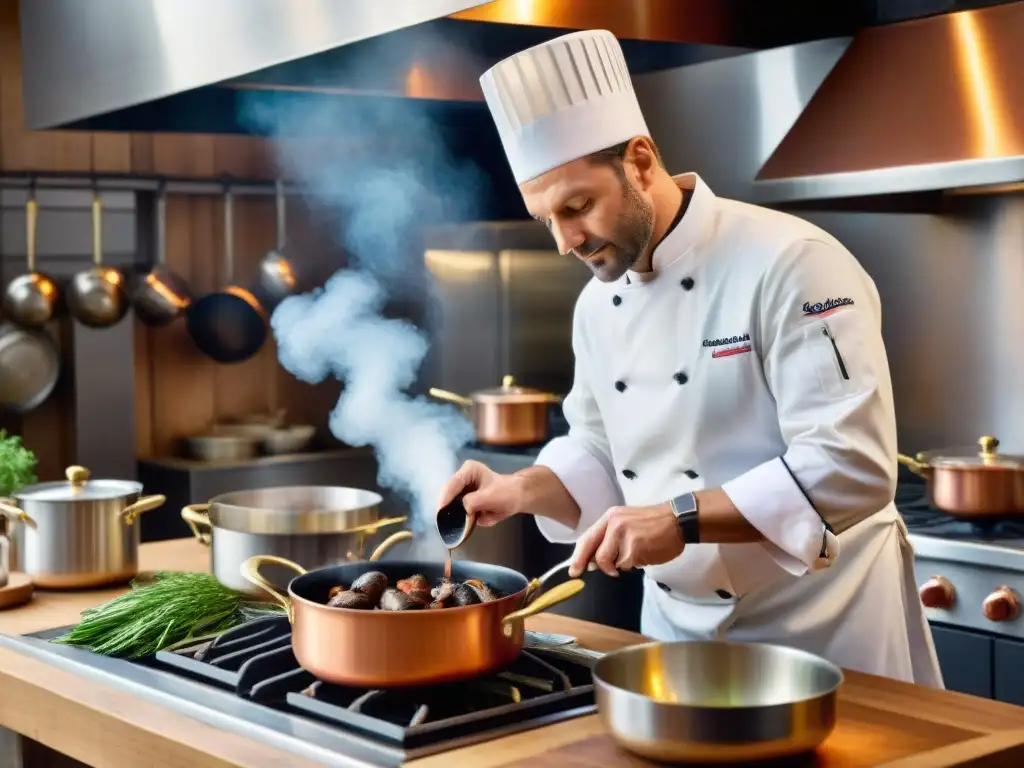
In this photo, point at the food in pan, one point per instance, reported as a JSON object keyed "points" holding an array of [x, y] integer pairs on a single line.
{"points": [[371, 591]]}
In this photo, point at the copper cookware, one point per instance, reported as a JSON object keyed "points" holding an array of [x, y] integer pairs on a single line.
{"points": [[972, 483], [506, 415], [391, 649]]}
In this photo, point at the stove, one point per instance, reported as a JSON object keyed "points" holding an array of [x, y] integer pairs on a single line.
{"points": [[247, 681]]}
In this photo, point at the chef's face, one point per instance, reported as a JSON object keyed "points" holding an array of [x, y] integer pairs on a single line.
{"points": [[597, 210]]}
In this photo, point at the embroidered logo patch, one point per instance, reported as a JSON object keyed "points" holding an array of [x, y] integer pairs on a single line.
{"points": [[733, 345], [826, 307]]}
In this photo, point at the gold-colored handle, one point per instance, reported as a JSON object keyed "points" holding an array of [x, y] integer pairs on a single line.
{"points": [[370, 529], [16, 514], [251, 573], [507, 382], [916, 466], [132, 511], [543, 579], [389, 542], [988, 445], [198, 515], [77, 476], [31, 217], [450, 397], [97, 230], [552, 597]]}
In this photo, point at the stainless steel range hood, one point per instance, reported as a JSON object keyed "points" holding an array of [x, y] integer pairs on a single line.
{"points": [[930, 104], [188, 65]]}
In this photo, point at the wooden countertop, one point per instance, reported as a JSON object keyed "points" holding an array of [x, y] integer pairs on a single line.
{"points": [[881, 722]]}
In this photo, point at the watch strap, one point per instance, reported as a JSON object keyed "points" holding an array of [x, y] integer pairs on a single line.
{"points": [[684, 507]]}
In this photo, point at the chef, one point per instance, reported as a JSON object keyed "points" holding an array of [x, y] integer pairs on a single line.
{"points": [[731, 416]]}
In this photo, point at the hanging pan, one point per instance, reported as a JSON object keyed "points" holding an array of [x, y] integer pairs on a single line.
{"points": [[160, 295], [228, 326], [33, 299]]}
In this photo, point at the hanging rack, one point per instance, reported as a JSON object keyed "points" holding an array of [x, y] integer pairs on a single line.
{"points": [[135, 183]]}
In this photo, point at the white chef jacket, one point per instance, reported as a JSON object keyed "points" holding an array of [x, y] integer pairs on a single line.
{"points": [[751, 359]]}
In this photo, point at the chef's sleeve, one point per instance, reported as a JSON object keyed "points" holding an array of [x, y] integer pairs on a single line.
{"points": [[582, 458], [821, 348]]}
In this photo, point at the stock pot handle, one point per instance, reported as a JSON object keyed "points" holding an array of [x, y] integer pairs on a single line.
{"points": [[198, 515], [251, 572], [390, 541], [132, 511], [15, 513], [552, 597]]}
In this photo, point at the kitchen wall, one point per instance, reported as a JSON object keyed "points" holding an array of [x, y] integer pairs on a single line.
{"points": [[175, 389]]}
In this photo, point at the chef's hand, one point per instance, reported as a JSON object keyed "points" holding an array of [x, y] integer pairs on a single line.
{"points": [[629, 537], [492, 497]]}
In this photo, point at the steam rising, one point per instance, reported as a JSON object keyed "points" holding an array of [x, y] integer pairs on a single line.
{"points": [[378, 200]]}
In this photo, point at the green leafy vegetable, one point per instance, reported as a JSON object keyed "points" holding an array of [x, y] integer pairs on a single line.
{"points": [[17, 464], [167, 611]]}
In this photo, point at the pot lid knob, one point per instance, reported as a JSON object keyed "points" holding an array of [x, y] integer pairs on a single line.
{"points": [[77, 476], [988, 445], [507, 382]]}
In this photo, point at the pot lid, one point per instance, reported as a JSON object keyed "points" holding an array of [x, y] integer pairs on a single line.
{"points": [[509, 391], [79, 487], [984, 456]]}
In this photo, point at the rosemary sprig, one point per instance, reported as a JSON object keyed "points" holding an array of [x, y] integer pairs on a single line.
{"points": [[171, 608]]}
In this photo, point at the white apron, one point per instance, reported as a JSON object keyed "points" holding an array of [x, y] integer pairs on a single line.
{"points": [[751, 360]]}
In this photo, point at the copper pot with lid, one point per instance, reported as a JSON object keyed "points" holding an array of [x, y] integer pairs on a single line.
{"points": [[506, 415], [970, 482]]}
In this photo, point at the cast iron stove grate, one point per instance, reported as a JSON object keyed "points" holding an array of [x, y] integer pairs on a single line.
{"points": [[920, 517], [255, 661]]}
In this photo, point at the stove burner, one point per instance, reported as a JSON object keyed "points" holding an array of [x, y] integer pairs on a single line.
{"points": [[256, 662], [921, 517]]}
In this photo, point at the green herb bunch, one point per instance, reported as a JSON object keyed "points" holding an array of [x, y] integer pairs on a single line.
{"points": [[171, 610], [17, 464]]}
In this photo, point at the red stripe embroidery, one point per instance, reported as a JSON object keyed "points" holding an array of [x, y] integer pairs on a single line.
{"points": [[731, 351]]}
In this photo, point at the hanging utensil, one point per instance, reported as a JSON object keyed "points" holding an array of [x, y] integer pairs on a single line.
{"points": [[29, 368], [96, 296], [277, 278], [160, 296], [33, 299], [228, 326]]}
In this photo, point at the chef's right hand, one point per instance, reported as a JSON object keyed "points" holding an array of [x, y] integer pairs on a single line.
{"points": [[491, 496]]}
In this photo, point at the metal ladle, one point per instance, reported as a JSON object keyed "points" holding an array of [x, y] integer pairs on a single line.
{"points": [[160, 295], [97, 296], [276, 279], [33, 299]]}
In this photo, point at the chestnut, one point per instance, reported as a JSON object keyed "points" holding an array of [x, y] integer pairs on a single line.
{"points": [[351, 599], [372, 584]]}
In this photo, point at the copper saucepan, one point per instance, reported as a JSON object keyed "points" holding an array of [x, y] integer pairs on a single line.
{"points": [[506, 415], [972, 483], [392, 649]]}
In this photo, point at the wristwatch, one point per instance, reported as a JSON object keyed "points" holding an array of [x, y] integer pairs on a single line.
{"points": [[684, 507]]}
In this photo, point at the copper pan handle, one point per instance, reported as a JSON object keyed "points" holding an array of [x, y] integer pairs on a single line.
{"points": [[197, 515], [145, 504], [552, 597], [916, 466], [251, 572], [450, 397], [389, 542]]}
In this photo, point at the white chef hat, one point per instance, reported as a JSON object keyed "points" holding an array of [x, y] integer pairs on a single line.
{"points": [[562, 100]]}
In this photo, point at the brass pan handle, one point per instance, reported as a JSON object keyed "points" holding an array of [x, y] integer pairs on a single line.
{"points": [[389, 542], [251, 572], [553, 596], [450, 397], [917, 466], [197, 515], [145, 504], [16, 514]]}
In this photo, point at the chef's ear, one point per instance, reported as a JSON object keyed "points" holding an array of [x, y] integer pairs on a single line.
{"points": [[643, 155]]}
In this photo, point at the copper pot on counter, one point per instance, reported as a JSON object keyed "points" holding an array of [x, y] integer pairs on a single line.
{"points": [[390, 649], [506, 415], [971, 483]]}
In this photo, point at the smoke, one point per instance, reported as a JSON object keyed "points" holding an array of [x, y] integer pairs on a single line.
{"points": [[376, 199]]}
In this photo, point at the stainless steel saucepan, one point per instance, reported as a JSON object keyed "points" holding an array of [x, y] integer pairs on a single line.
{"points": [[716, 702]]}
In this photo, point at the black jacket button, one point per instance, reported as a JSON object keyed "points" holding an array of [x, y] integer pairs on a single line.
{"points": [[620, 385], [629, 474], [681, 378], [616, 300], [691, 474], [687, 283], [723, 594]]}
